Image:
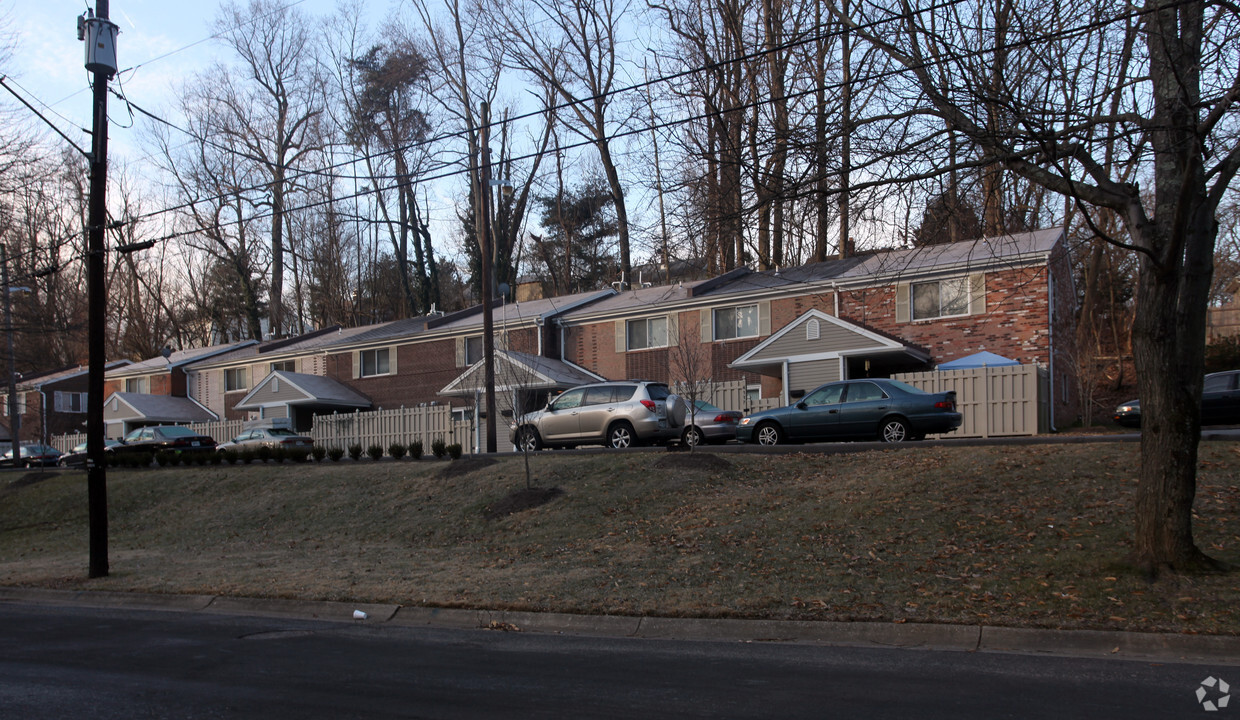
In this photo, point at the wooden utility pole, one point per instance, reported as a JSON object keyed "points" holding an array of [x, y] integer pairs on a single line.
{"points": [[483, 199], [100, 39]]}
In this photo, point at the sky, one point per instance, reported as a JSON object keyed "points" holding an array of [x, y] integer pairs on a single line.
{"points": [[161, 43]]}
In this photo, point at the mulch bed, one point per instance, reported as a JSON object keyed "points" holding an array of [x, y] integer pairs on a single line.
{"points": [[519, 500]]}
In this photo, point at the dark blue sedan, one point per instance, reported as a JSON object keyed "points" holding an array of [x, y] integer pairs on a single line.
{"points": [[869, 409]]}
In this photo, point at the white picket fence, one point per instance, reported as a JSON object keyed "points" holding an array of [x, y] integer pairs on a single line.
{"points": [[373, 427]]}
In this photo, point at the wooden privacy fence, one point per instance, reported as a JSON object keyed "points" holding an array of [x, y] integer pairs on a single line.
{"points": [[995, 401], [732, 395]]}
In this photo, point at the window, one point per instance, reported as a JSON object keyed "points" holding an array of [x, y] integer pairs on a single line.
{"points": [[942, 298], [825, 395], [136, 385], [235, 379], [286, 366], [70, 402], [374, 362], [863, 391], [473, 349], [569, 399], [647, 333], [736, 322]]}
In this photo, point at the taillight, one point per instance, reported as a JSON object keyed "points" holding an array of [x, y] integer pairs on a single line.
{"points": [[945, 405], [724, 418], [650, 405]]}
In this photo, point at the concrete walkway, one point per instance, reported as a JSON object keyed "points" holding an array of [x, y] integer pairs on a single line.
{"points": [[1160, 647]]}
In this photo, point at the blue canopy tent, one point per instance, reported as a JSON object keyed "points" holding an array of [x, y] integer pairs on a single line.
{"points": [[978, 360]]}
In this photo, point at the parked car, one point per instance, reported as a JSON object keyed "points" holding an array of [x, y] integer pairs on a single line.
{"points": [[271, 437], [870, 409], [616, 414], [77, 456], [33, 455], [154, 438], [709, 424], [1220, 402]]}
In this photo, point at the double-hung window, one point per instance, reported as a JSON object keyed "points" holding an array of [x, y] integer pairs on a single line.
{"points": [[136, 385], [474, 349], [235, 379], [286, 366], [647, 333], [740, 321], [940, 298], [374, 362]]}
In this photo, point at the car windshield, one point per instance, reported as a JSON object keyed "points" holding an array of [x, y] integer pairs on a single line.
{"points": [[280, 432], [704, 406]]}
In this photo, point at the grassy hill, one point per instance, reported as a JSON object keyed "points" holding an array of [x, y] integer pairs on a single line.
{"points": [[1021, 536]]}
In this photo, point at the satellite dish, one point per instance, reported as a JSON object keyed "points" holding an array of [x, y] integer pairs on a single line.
{"points": [[503, 289]]}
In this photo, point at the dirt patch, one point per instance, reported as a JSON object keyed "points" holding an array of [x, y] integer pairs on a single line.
{"points": [[519, 500], [30, 478], [456, 468], [705, 461]]}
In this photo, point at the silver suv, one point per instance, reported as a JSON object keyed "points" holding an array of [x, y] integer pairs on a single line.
{"points": [[616, 414]]}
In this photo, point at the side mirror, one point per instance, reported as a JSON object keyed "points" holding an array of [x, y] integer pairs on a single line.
{"points": [[802, 406]]}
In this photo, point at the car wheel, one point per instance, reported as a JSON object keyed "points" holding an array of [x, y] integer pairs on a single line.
{"points": [[528, 440], [769, 434], [621, 435], [692, 436], [894, 430]]}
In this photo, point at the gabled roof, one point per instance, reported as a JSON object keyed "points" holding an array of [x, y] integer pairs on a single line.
{"points": [[177, 359], [528, 311], [518, 370], [47, 377], [985, 254], [840, 339], [302, 389], [158, 408]]}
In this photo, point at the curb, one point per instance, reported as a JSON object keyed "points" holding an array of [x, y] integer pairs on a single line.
{"points": [[1162, 647]]}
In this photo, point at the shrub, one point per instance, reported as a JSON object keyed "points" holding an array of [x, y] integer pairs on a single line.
{"points": [[296, 455], [162, 457], [415, 449], [247, 456], [439, 448], [375, 452], [231, 456], [215, 458], [265, 453], [396, 450], [355, 451], [454, 451], [200, 457], [335, 454], [140, 460], [319, 452]]}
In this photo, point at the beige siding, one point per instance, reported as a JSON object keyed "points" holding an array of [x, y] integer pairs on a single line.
{"points": [[831, 338], [809, 375], [269, 393]]}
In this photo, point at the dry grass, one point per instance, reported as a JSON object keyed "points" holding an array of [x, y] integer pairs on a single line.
{"points": [[1025, 536]]}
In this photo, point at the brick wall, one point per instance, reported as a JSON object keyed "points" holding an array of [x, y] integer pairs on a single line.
{"points": [[1016, 323]]}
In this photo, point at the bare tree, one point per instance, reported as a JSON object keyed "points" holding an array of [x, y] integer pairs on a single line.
{"points": [[1045, 120], [270, 111], [573, 49]]}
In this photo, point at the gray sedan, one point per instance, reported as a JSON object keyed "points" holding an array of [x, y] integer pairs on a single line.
{"points": [[269, 437], [709, 424]]}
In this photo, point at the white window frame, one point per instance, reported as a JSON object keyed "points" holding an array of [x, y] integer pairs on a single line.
{"points": [[236, 379], [21, 404], [963, 299], [138, 385], [736, 333], [281, 366], [475, 348], [646, 322], [381, 362]]}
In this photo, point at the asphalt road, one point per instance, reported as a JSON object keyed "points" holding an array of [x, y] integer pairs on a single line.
{"points": [[78, 662]]}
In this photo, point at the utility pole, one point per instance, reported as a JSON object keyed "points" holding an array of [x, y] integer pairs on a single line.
{"points": [[484, 261], [15, 416], [100, 36]]}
